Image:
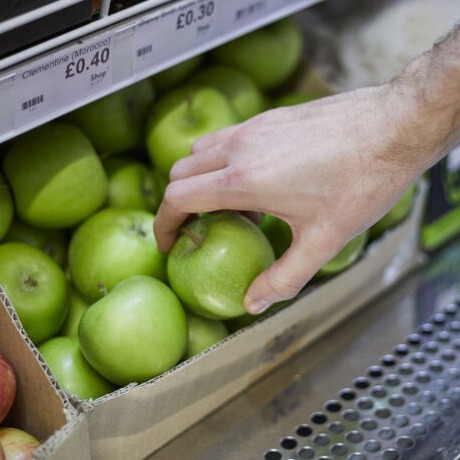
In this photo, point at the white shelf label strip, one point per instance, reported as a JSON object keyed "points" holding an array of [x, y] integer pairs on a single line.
{"points": [[78, 73], [241, 13], [174, 30], [53, 82]]}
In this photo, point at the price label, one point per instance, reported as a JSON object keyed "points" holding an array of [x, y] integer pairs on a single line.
{"points": [[52, 83], [81, 65], [173, 30], [194, 14], [239, 13]]}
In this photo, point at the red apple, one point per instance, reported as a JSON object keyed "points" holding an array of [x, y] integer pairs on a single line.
{"points": [[17, 444], [7, 387]]}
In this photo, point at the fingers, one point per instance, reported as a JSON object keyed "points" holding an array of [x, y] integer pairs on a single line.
{"points": [[283, 279], [199, 163], [207, 154], [212, 151], [212, 139], [166, 225], [255, 216], [202, 193]]}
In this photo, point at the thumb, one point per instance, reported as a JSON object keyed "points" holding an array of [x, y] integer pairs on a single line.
{"points": [[282, 280]]}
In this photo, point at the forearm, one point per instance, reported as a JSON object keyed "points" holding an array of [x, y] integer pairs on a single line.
{"points": [[430, 84]]}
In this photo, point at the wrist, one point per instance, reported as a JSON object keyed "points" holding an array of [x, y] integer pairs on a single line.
{"points": [[428, 93]]}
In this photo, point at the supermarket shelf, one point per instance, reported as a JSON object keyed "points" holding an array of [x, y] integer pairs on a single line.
{"points": [[56, 77]]}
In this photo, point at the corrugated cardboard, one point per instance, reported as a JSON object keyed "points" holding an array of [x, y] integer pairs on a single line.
{"points": [[70, 442], [41, 408], [136, 420]]}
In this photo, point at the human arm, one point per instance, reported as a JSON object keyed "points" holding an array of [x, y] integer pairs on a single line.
{"points": [[329, 168]]}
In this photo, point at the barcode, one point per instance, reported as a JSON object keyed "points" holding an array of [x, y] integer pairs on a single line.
{"points": [[250, 9], [32, 102], [143, 51]]}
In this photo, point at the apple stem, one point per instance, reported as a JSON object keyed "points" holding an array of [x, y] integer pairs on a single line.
{"points": [[30, 282], [102, 288], [139, 230], [191, 235]]}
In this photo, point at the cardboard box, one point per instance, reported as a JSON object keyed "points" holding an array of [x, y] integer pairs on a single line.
{"points": [[41, 408], [136, 420]]}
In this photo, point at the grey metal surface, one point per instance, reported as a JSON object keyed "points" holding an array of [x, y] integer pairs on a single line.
{"points": [[264, 417], [404, 406]]}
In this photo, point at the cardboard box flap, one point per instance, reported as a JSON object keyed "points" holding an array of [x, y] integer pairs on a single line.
{"points": [[69, 442], [40, 407], [138, 420]]}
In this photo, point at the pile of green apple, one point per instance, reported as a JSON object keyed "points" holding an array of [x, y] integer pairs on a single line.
{"points": [[78, 196]]}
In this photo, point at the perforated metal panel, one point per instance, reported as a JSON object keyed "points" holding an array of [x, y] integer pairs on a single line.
{"points": [[405, 407]]}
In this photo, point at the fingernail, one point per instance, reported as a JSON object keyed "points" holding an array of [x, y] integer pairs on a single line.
{"points": [[258, 306]]}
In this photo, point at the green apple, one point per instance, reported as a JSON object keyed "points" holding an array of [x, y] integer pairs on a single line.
{"points": [[203, 333], [53, 241], [347, 256], [116, 122], [6, 207], [77, 305], [278, 233], [176, 75], [56, 177], [395, 215], [180, 118], [135, 332], [37, 288], [71, 370], [268, 55], [213, 262], [110, 246], [133, 184], [240, 89]]}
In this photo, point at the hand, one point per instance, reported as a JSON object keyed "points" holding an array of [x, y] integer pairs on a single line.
{"points": [[329, 168]]}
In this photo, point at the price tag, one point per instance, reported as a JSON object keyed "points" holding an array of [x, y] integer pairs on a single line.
{"points": [[239, 13], [173, 30], [53, 82]]}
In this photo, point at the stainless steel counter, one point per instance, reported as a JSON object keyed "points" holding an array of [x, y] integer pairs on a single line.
{"points": [[255, 421]]}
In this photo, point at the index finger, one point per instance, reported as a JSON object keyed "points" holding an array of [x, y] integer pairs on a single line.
{"points": [[182, 198], [166, 224], [206, 192]]}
